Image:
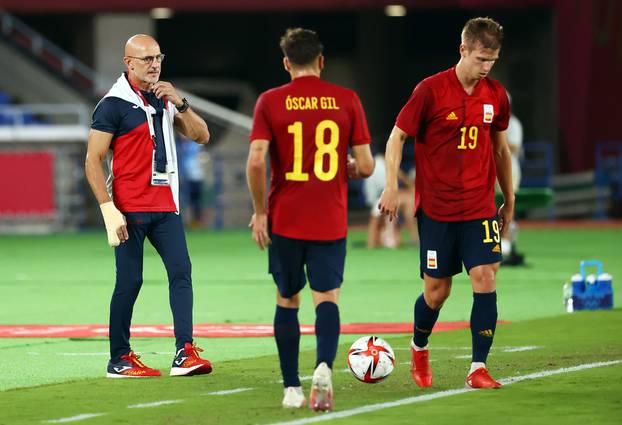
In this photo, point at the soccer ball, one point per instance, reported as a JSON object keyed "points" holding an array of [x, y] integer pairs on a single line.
{"points": [[371, 359]]}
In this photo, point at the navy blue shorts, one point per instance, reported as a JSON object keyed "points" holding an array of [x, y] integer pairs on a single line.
{"points": [[446, 245], [324, 261]]}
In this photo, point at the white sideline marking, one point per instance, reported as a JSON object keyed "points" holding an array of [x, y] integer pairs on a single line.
{"points": [[154, 404], [544, 373], [505, 350], [74, 418], [433, 348], [408, 362], [226, 392], [517, 349], [440, 394]]}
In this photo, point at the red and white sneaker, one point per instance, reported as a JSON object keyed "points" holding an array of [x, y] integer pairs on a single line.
{"points": [[321, 397], [420, 367], [187, 362], [130, 367], [481, 379]]}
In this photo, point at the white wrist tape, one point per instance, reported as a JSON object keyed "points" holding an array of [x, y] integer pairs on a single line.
{"points": [[113, 220]]}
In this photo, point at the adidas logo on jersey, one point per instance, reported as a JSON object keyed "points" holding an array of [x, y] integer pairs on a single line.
{"points": [[452, 116], [497, 248]]}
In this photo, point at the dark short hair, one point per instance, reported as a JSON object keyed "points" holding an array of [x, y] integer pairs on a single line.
{"points": [[486, 31], [301, 46]]}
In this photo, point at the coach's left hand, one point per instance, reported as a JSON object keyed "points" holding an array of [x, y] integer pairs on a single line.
{"points": [[164, 88]]}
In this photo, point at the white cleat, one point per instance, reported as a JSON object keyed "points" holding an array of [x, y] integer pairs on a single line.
{"points": [[293, 398], [321, 398]]}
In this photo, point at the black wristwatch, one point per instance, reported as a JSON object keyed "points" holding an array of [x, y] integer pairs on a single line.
{"points": [[184, 105]]}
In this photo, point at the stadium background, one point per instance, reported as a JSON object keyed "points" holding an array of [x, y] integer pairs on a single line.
{"points": [[561, 62]]}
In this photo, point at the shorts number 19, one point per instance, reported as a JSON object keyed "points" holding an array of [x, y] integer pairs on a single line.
{"points": [[495, 229]]}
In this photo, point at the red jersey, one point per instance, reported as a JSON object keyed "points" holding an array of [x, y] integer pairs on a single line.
{"points": [[132, 147], [453, 148], [310, 124]]}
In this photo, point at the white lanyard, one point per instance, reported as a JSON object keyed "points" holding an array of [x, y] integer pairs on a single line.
{"points": [[149, 111]]}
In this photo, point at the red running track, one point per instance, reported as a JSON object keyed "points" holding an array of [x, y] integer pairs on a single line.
{"points": [[206, 330]]}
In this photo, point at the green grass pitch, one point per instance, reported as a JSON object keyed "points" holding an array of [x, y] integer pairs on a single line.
{"points": [[68, 279]]}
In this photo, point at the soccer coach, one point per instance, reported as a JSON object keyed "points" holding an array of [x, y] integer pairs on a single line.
{"points": [[136, 120]]}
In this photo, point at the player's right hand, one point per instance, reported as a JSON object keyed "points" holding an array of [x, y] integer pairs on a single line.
{"points": [[388, 203], [259, 226], [116, 227], [352, 168]]}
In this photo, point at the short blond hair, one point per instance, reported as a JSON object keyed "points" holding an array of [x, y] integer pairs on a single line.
{"points": [[486, 31]]}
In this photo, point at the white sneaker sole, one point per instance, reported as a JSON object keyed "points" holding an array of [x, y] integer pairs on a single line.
{"points": [[181, 371], [115, 375]]}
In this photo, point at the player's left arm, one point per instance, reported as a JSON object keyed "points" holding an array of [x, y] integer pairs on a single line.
{"points": [[503, 164], [256, 179], [188, 122]]}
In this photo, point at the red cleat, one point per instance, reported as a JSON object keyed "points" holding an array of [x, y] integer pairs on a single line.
{"points": [[188, 363], [481, 379], [420, 368], [130, 367]]}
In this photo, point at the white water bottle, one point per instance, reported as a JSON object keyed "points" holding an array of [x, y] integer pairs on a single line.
{"points": [[568, 303]]}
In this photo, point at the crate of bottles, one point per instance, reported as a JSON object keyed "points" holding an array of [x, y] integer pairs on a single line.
{"points": [[589, 291]]}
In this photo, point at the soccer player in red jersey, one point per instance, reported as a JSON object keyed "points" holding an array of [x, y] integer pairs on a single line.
{"points": [[307, 127], [458, 119]]}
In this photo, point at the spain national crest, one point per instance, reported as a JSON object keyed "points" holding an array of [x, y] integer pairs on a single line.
{"points": [[488, 113]]}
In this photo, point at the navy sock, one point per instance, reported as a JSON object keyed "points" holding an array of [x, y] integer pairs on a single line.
{"points": [[287, 336], [327, 332], [425, 318], [483, 324]]}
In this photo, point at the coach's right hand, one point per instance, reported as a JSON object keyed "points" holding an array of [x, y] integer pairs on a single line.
{"points": [[116, 226], [259, 225], [388, 203]]}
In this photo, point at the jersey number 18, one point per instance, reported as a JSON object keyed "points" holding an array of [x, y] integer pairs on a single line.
{"points": [[323, 148]]}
